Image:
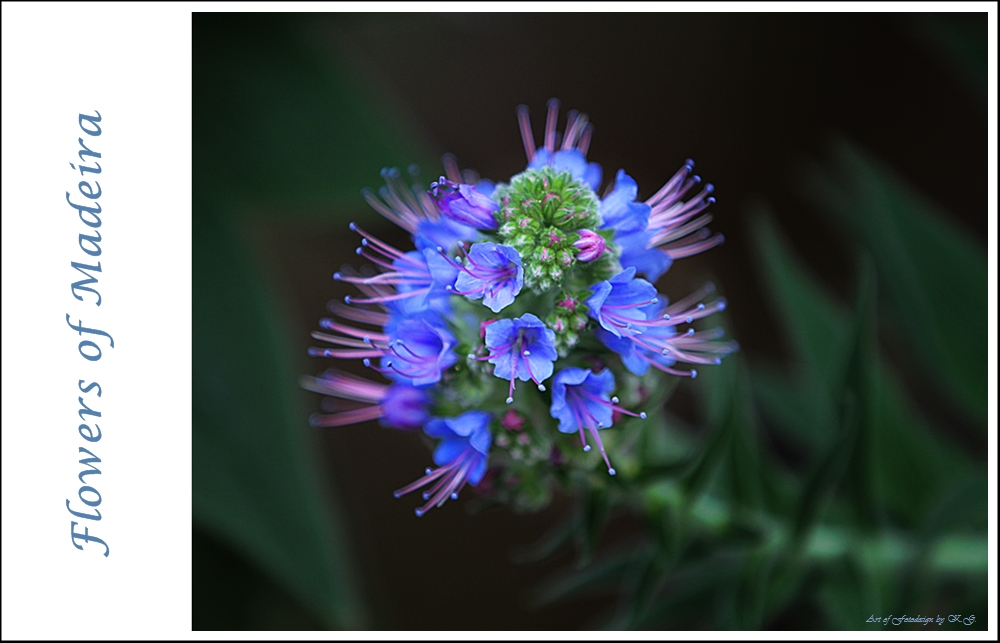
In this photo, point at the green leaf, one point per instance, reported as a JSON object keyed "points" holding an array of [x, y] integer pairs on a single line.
{"points": [[817, 327], [792, 404], [253, 485], [912, 461], [848, 453], [602, 577], [933, 273], [595, 508]]}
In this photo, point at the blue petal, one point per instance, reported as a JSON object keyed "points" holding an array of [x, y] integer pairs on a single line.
{"points": [[485, 187], [541, 365], [468, 423], [405, 407], [436, 428], [601, 383], [572, 160], [450, 449], [446, 233], [626, 348], [567, 421], [442, 271], [497, 300], [651, 262], [592, 176], [481, 439], [601, 413], [619, 209], [477, 471]]}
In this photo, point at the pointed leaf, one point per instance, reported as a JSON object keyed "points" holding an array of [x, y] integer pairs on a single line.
{"points": [[933, 273]]}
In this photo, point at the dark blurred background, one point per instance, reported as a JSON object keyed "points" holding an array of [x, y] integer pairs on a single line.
{"points": [[296, 528]]}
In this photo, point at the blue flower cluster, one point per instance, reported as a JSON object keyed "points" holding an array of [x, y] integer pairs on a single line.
{"points": [[505, 284]]}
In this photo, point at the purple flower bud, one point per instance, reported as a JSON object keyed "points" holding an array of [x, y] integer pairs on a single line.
{"points": [[590, 244], [464, 203], [512, 420]]}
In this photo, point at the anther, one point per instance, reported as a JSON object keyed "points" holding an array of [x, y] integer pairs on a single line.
{"points": [[541, 387], [337, 276], [454, 495], [347, 299], [509, 400], [642, 415], [614, 400], [586, 448], [353, 226], [694, 373], [611, 471]]}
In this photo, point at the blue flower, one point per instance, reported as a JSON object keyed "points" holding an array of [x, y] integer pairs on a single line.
{"points": [[491, 272], [619, 302], [400, 406], [522, 348], [410, 282], [405, 406], [461, 457], [464, 203], [642, 330], [410, 208], [653, 234], [581, 400], [418, 351]]}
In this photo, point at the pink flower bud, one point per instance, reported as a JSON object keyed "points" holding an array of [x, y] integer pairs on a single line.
{"points": [[512, 421], [590, 244]]}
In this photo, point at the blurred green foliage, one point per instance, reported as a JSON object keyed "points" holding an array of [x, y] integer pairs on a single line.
{"points": [[266, 107], [884, 514]]}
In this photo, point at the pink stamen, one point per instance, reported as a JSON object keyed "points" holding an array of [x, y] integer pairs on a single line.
{"points": [[347, 417], [584, 143], [527, 137], [550, 125], [451, 168]]}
